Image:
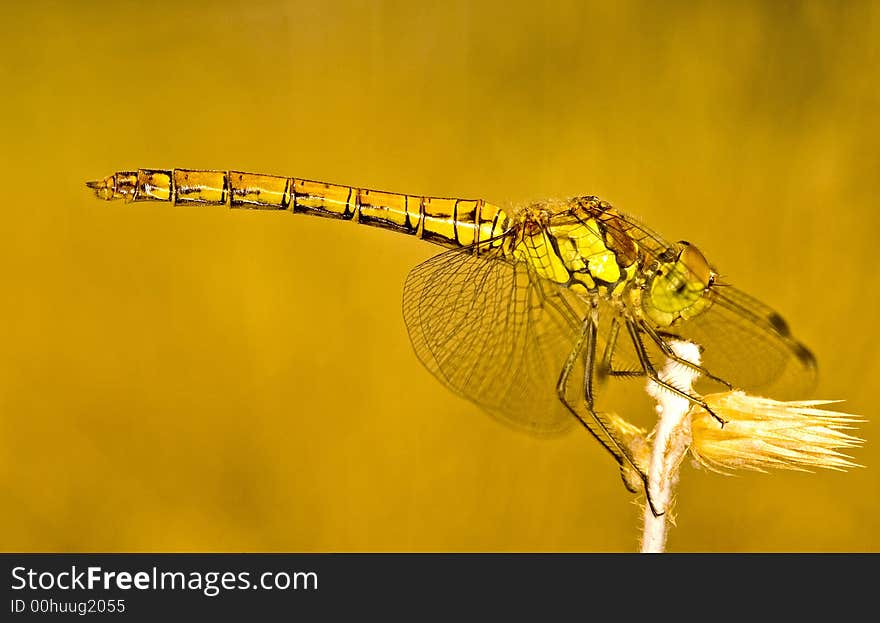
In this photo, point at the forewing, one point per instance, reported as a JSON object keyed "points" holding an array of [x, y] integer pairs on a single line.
{"points": [[750, 346], [495, 334]]}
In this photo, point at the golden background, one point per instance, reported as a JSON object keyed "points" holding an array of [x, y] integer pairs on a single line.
{"points": [[207, 380]]}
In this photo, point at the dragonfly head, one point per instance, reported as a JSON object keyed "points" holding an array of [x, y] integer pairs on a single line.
{"points": [[120, 185], [679, 286]]}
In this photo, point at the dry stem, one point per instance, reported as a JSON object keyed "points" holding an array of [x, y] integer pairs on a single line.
{"points": [[671, 438]]}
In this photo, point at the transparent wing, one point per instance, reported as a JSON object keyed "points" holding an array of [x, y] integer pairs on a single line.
{"points": [[495, 334], [750, 346]]}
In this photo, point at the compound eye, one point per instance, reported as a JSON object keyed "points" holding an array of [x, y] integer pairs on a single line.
{"points": [[695, 262]]}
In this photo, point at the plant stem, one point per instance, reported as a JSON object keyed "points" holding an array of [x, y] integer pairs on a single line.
{"points": [[671, 438]]}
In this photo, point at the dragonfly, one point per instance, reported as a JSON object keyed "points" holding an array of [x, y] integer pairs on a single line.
{"points": [[529, 313]]}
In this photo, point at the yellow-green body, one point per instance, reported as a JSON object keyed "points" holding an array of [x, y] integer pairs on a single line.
{"points": [[588, 252]]}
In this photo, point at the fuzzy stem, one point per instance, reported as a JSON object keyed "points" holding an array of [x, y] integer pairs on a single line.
{"points": [[671, 438]]}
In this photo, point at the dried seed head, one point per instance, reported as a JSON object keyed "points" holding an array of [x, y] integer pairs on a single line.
{"points": [[761, 433]]}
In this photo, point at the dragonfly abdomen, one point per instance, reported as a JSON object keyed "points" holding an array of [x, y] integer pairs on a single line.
{"points": [[448, 222]]}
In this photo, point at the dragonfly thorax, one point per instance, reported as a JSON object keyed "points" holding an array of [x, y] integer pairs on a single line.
{"points": [[586, 245], [576, 243]]}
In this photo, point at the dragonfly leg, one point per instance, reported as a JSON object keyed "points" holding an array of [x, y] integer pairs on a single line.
{"points": [[606, 367], [597, 424], [667, 350], [651, 371]]}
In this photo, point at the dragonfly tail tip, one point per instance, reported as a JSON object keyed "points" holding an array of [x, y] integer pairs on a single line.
{"points": [[104, 189]]}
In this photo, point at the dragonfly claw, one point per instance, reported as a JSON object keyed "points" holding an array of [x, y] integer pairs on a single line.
{"points": [[717, 417], [654, 510]]}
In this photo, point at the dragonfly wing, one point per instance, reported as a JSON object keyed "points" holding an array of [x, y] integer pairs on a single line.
{"points": [[495, 334], [749, 345]]}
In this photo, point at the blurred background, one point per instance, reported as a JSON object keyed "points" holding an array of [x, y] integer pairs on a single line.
{"points": [[208, 380]]}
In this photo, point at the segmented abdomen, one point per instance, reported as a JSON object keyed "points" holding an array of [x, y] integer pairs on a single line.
{"points": [[445, 221]]}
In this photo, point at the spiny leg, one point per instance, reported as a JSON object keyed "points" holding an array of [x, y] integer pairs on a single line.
{"points": [[606, 368], [604, 435], [652, 373], [667, 350]]}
